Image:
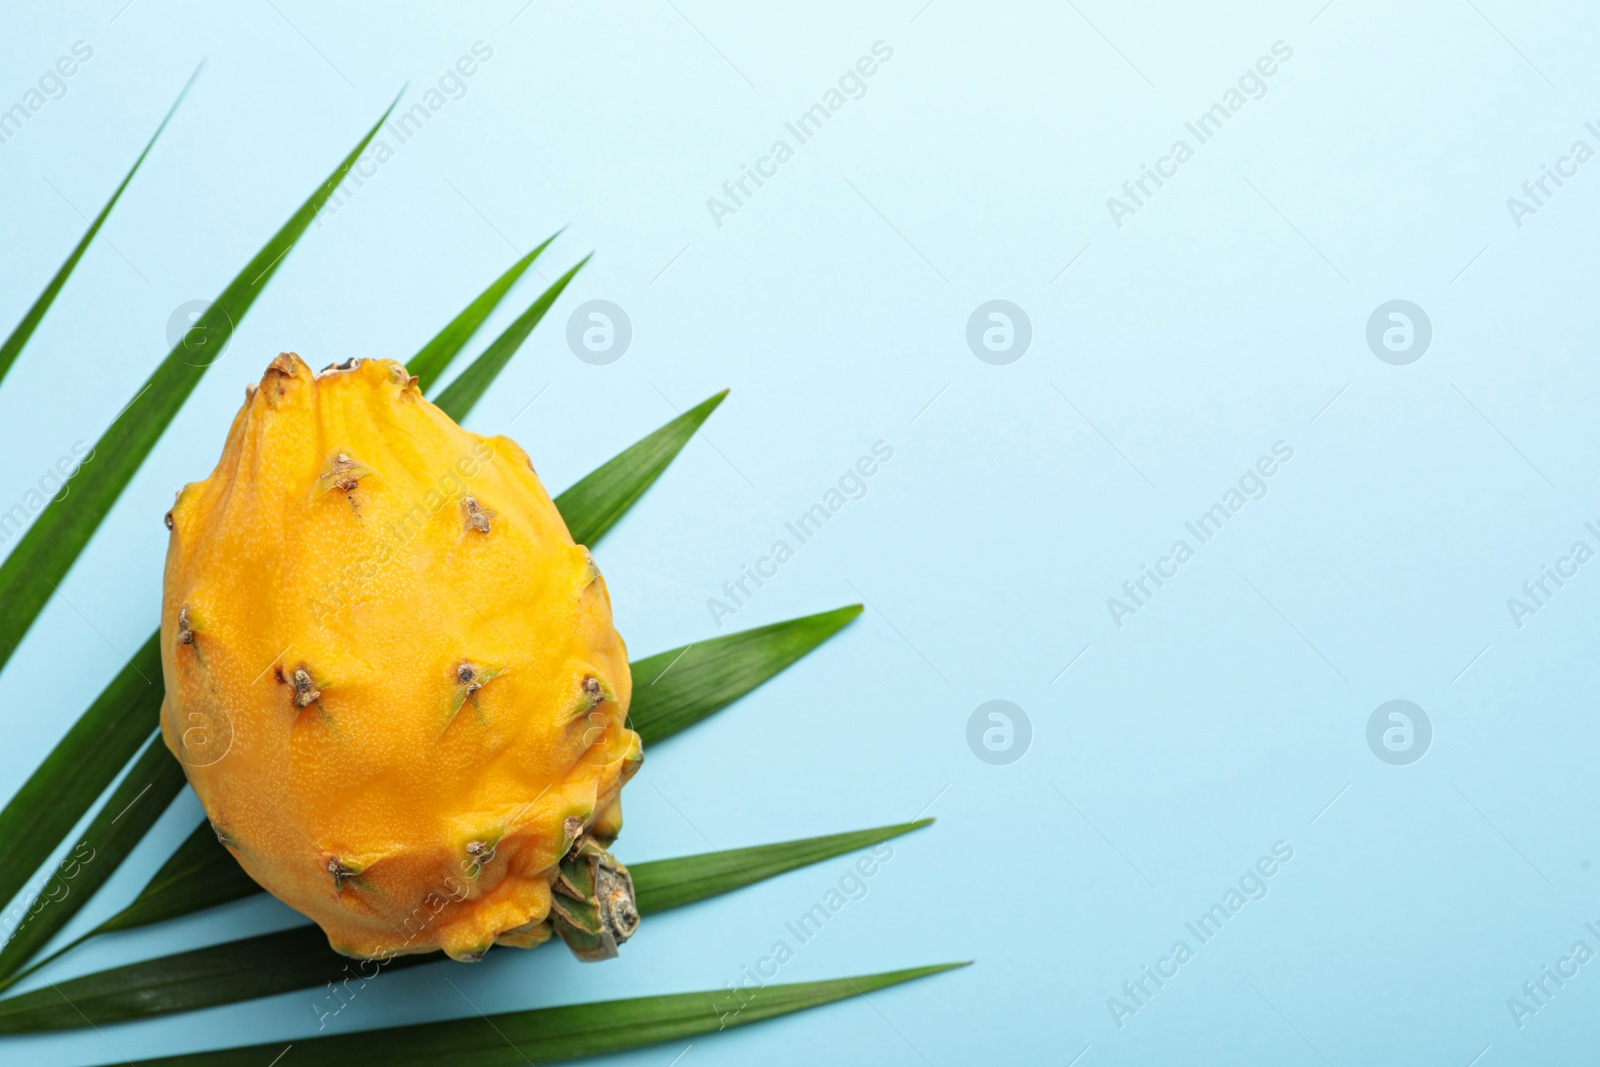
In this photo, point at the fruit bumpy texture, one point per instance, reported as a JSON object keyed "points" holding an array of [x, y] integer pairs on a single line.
{"points": [[392, 677]]}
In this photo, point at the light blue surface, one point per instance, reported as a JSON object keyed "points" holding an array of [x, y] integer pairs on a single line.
{"points": [[1228, 313]]}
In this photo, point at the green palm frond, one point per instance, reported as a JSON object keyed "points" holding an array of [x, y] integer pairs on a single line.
{"points": [[80, 768], [546, 1035], [115, 736], [438, 353], [12, 347], [676, 689], [134, 807], [594, 504], [459, 397], [193, 879]]}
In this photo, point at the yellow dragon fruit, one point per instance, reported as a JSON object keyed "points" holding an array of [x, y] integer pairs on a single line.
{"points": [[392, 677]]}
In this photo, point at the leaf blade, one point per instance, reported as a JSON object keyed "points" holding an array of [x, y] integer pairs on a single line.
{"points": [[543, 1035], [665, 884], [598, 500], [201, 874], [280, 962], [134, 806], [689, 683], [463, 393], [437, 354], [13, 345], [80, 767], [29, 575], [299, 957]]}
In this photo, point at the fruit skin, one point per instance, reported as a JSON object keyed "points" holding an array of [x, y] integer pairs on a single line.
{"points": [[392, 677]]}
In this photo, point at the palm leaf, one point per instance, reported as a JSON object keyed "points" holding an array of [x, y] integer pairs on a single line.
{"points": [[79, 768], [299, 958], [30, 322], [691, 683], [134, 807], [201, 874], [436, 355], [670, 883], [544, 1035], [459, 396], [687, 684], [594, 504], [47, 551]]}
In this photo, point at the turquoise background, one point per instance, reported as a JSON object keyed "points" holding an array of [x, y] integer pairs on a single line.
{"points": [[1228, 313]]}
